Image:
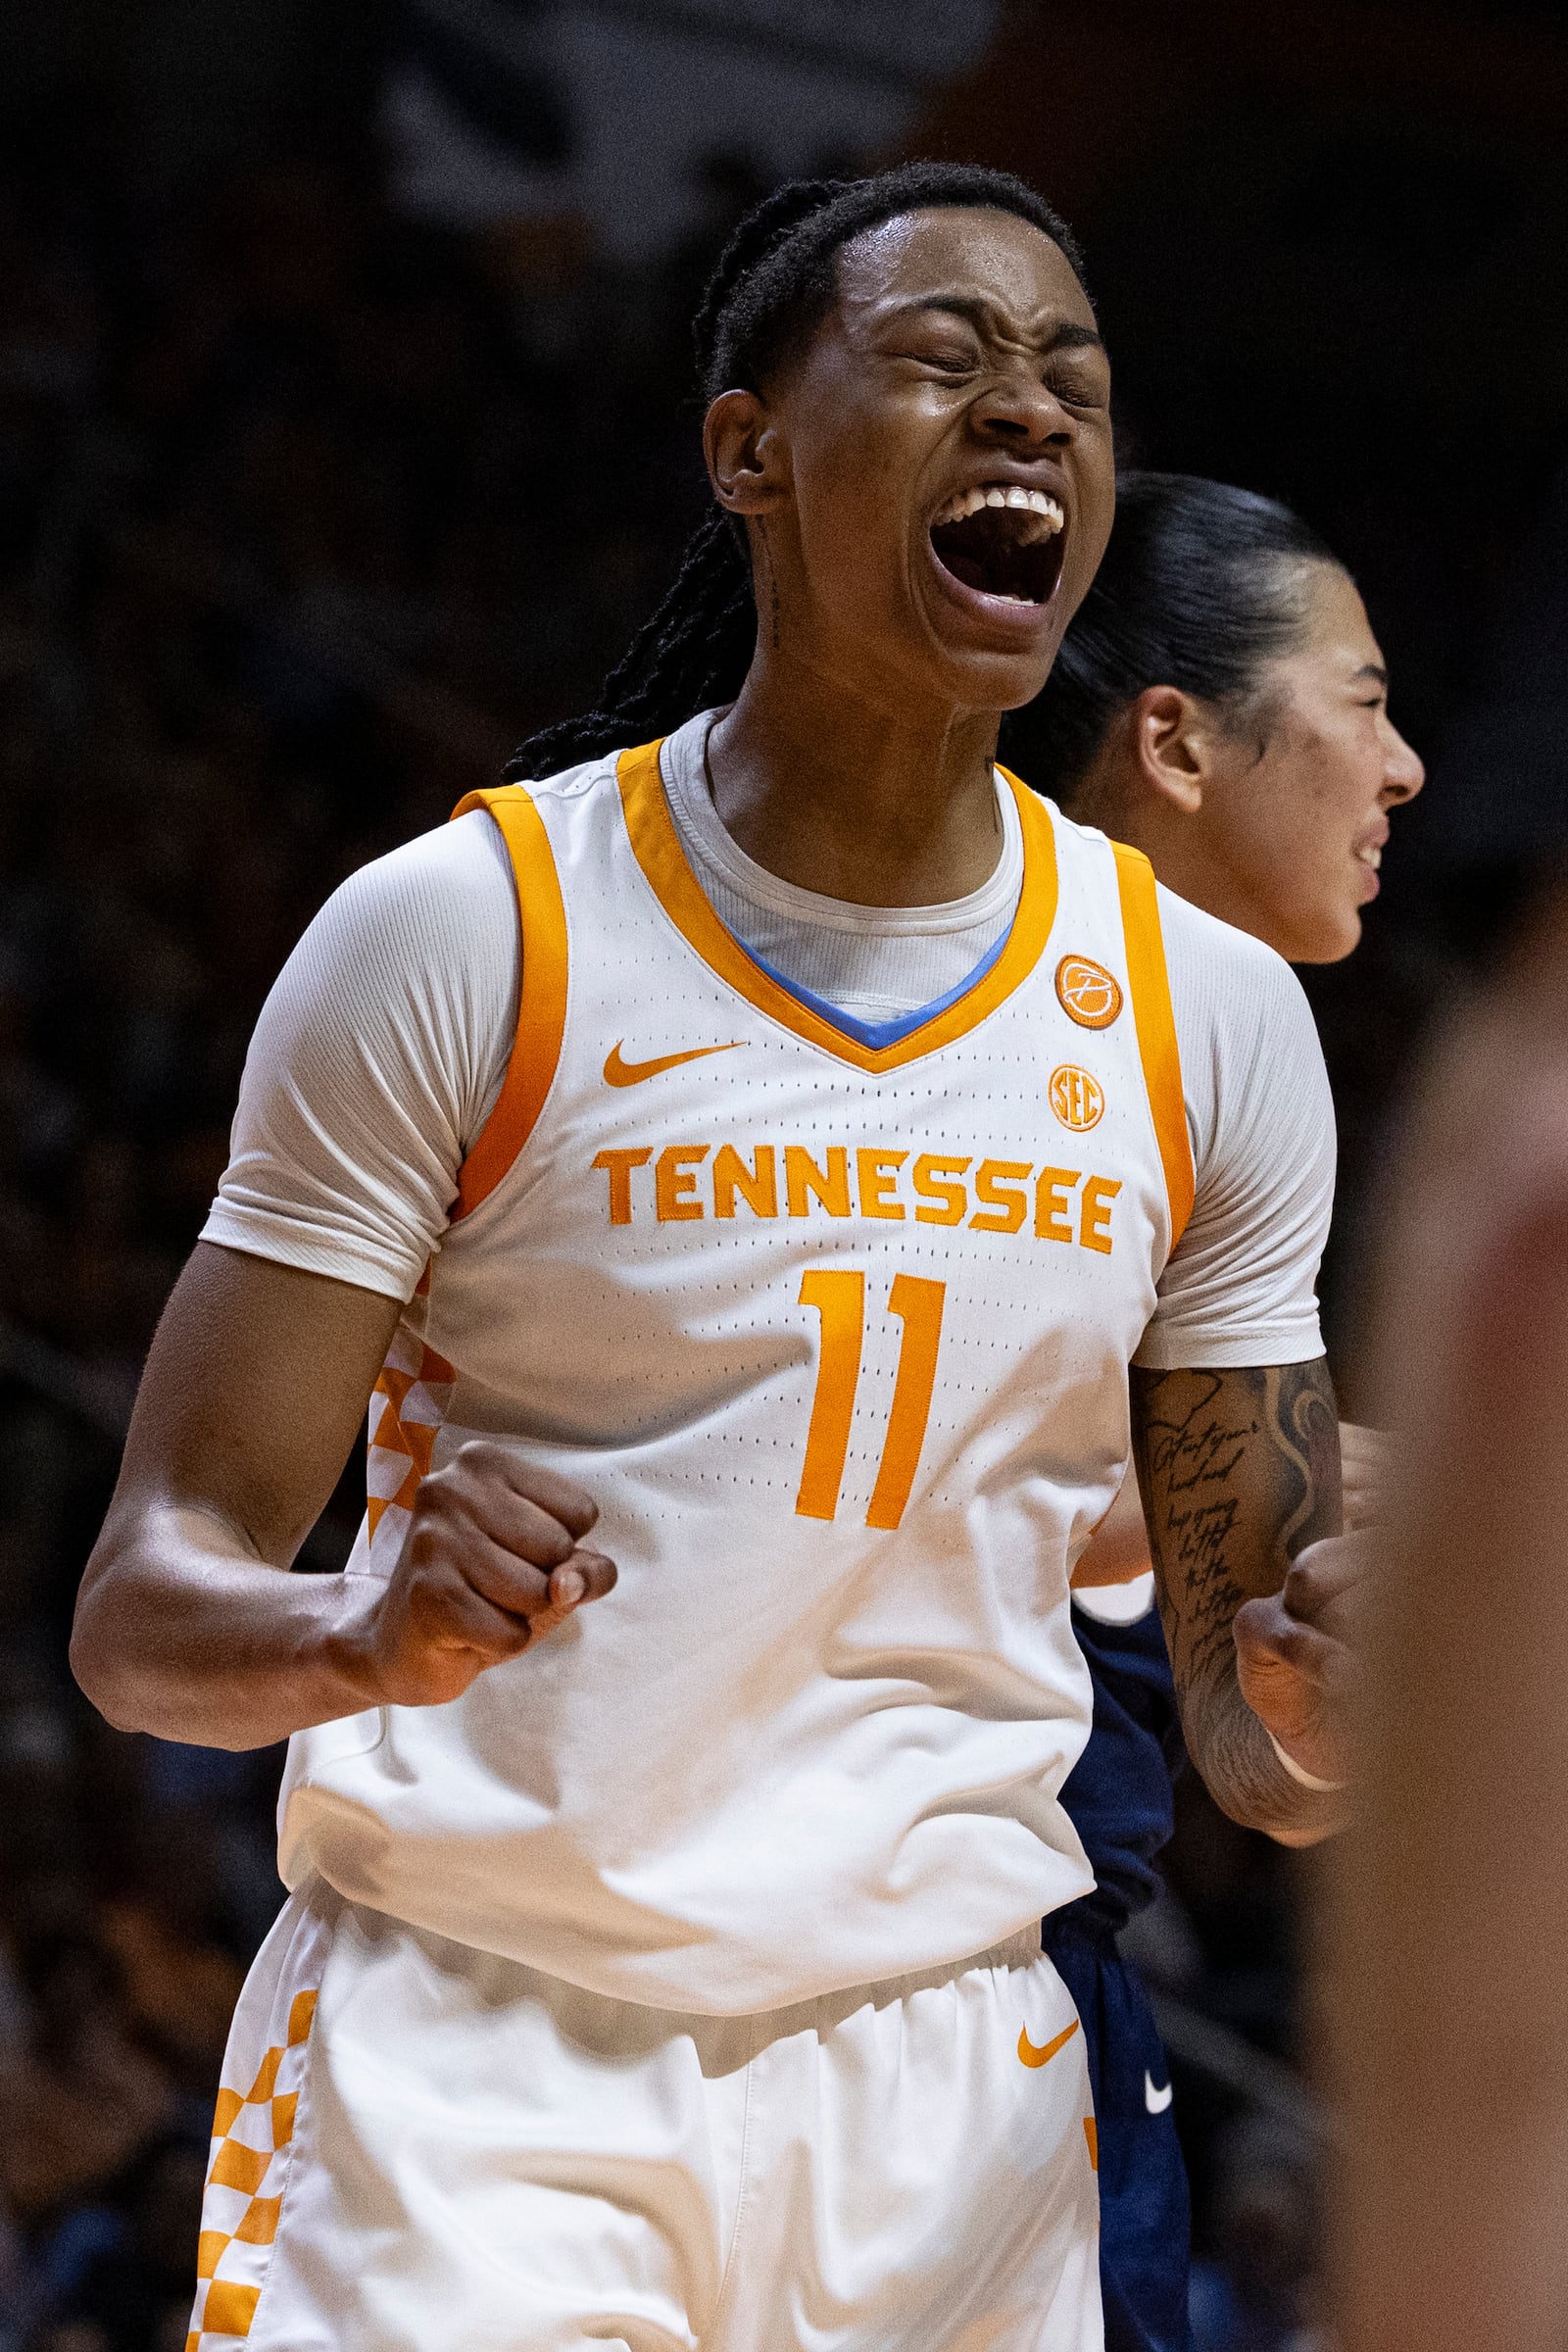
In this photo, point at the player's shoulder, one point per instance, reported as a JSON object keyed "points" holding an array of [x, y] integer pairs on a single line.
{"points": [[1212, 965], [458, 870], [1202, 943], [1208, 961], [463, 865], [587, 782], [455, 880], [1239, 1012]]}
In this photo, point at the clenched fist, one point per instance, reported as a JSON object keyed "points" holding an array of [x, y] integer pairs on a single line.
{"points": [[493, 1561], [1299, 1652]]}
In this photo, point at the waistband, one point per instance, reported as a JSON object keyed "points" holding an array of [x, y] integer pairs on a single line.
{"points": [[1085, 1925]]}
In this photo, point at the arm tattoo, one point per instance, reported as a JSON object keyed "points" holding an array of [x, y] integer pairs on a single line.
{"points": [[1239, 1471]]}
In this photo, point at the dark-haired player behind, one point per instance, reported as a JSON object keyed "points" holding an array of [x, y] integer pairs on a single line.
{"points": [[1220, 702], [773, 1221]]}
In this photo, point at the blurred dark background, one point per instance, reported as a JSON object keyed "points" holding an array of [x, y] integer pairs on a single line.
{"points": [[346, 430]]}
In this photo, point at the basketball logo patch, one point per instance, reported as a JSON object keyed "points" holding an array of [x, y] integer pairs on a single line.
{"points": [[1087, 993], [1076, 1098]]}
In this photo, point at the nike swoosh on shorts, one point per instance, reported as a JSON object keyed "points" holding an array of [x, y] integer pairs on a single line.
{"points": [[1156, 2101], [1034, 2055]]}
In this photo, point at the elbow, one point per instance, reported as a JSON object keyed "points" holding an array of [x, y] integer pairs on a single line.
{"points": [[98, 1652], [1248, 1807]]}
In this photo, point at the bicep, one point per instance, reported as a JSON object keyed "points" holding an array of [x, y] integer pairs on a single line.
{"points": [[253, 1394], [1238, 1470]]}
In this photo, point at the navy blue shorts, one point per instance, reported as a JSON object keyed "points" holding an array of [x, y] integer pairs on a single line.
{"points": [[1120, 1797], [1145, 2218]]}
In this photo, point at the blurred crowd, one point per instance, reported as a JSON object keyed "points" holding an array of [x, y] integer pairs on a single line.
{"points": [[307, 513]]}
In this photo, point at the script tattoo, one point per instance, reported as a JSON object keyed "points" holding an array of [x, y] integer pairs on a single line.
{"points": [[1238, 1470]]}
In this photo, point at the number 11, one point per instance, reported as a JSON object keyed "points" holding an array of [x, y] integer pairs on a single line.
{"points": [[840, 1299]]}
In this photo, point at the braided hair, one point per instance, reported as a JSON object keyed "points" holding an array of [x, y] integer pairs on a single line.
{"points": [[1200, 586], [775, 282]]}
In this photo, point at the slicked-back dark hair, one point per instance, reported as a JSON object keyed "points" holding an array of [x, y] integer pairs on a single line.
{"points": [[775, 282], [1200, 584]]}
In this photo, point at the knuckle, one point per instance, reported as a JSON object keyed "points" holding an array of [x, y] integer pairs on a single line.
{"points": [[1303, 1589], [440, 1493], [1250, 1635], [477, 1461]]}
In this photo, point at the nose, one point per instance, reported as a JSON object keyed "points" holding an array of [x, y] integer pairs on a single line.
{"points": [[1403, 770], [1018, 410]]}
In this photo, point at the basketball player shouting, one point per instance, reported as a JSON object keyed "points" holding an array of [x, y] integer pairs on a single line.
{"points": [[1220, 702], [755, 1158]]}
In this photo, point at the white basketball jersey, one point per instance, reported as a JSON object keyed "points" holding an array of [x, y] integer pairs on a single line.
{"points": [[837, 1338]]}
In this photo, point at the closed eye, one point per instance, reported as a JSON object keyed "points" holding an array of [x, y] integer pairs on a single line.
{"points": [[946, 363], [1078, 391]]}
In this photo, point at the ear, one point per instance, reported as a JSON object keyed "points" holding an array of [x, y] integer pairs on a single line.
{"points": [[747, 460], [1173, 746]]}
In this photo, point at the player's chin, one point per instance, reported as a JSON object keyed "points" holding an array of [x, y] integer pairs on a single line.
{"points": [[1330, 934], [995, 653]]}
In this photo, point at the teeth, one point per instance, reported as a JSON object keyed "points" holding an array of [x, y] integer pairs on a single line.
{"points": [[1372, 858], [964, 503]]}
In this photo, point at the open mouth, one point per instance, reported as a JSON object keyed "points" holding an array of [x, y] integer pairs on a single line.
{"points": [[1003, 540]]}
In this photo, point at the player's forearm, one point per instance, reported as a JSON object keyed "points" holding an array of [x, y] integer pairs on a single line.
{"points": [[1237, 1762], [1239, 1471], [184, 1631]]}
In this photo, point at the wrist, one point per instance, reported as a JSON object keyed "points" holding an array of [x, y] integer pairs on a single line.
{"points": [[1299, 1772], [348, 1646]]}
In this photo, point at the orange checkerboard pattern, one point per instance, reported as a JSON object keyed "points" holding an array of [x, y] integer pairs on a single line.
{"points": [[252, 2136], [408, 1406]]}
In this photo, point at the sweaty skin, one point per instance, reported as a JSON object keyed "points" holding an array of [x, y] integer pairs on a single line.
{"points": [[856, 762]]}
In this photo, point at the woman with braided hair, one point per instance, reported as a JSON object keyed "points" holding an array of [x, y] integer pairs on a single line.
{"points": [[750, 1148]]}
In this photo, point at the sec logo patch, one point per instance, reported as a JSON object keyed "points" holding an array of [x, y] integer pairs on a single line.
{"points": [[1077, 1099], [1087, 993]]}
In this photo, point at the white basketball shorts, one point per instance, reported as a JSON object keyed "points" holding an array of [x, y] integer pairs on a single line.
{"points": [[425, 2149]]}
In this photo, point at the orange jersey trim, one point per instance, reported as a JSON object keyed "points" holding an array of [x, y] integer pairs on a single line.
{"points": [[658, 850], [1148, 985], [541, 999]]}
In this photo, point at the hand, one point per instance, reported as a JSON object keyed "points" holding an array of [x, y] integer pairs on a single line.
{"points": [[1366, 1466], [493, 1561], [1297, 1653]]}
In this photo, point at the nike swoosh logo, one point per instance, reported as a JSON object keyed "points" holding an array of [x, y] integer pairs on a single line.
{"points": [[632, 1073], [1032, 2056], [1156, 2101]]}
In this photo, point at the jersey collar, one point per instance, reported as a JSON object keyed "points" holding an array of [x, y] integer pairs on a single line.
{"points": [[667, 870]]}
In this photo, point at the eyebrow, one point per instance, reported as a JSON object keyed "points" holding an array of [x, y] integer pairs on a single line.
{"points": [[1067, 334], [1372, 669]]}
